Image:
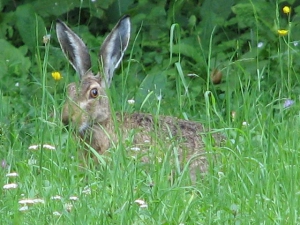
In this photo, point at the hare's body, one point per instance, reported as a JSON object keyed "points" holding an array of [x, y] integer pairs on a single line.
{"points": [[88, 105]]}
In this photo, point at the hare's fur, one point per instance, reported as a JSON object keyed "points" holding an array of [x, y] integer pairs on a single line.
{"points": [[88, 106]]}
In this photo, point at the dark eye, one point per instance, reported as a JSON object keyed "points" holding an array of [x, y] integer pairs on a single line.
{"points": [[94, 93]]}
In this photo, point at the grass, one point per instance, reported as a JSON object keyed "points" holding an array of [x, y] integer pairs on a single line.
{"points": [[254, 181]]}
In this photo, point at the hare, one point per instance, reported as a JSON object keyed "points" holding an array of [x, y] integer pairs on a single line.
{"points": [[88, 108]]}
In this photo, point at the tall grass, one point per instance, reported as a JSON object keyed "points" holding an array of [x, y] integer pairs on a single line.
{"points": [[254, 180]]}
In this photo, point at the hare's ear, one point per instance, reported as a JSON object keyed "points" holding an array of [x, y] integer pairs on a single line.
{"points": [[113, 48], [74, 48]]}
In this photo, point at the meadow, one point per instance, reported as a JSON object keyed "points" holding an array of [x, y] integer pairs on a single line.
{"points": [[234, 69]]}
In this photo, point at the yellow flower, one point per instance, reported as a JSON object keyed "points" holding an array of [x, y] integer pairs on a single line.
{"points": [[282, 32], [56, 75], [286, 9]]}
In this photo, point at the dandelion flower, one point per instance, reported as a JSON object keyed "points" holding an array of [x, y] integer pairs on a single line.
{"points": [[10, 186], [282, 32], [56, 76], [286, 9]]}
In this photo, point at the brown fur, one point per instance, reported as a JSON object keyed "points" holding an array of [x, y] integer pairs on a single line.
{"points": [[185, 135], [88, 105]]}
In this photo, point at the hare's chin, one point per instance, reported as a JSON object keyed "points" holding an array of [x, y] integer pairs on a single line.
{"points": [[83, 127]]}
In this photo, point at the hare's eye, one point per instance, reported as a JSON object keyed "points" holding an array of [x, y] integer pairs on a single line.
{"points": [[94, 93]]}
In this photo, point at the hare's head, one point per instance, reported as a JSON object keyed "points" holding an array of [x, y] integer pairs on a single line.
{"points": [[88, 103]]}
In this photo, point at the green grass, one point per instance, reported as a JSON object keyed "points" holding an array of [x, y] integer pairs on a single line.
{"points": [[255, 179]]}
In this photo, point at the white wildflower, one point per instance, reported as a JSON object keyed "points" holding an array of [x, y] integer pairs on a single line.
{"points": [[86, 191], [33, 147], [38, 200], [141, 203], [55, 213], [245, 123], [46, 38], [31, 201], [23, 208], [73, 198], [46, 146], [159, 97], [26, 202], [260, 44], [13, 174], [56, 197], [221, 174], [136, 149], [32, 161], [192, 75], [68, 207], [50, 147], [10, 186], [131, 101]]}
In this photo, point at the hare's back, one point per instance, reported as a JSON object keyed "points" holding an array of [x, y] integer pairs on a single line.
{"points": [[188, 133]]}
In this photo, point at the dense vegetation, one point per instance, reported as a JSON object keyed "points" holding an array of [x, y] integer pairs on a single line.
{"points": [[231, 65]]}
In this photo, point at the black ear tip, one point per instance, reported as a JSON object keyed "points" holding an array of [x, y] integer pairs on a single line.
{"points": [[125, 16], [59, 22]]}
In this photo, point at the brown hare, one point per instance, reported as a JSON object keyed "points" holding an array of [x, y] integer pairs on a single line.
{"points": [[88, 106]]}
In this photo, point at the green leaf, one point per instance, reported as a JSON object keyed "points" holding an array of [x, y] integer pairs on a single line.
{"points": [[56, 8], [12, 59], [30, 26]]}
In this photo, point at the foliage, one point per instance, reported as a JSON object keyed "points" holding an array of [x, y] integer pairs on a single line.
{"points": [[229, 64]]}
